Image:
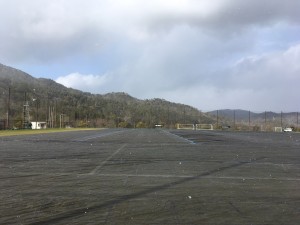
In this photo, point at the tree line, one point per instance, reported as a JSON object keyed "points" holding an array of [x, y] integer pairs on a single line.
{"points": [[58, 106]]}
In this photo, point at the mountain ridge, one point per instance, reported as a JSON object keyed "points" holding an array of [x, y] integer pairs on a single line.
{"points": [[83, 108], [244, 114], [246, 118]]}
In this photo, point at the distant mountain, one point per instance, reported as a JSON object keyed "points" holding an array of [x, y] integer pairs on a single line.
{"points": [[62, 106], [9, 76], [229, 113]]}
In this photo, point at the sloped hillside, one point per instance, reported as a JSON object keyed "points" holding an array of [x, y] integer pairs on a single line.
{"points": [[61, 106]]}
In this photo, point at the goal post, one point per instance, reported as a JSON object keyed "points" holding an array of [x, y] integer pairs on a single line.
{"points": [[278, 129], [181, 126], [204, 127]]}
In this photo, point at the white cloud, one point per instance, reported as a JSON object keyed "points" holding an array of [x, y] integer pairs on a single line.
{"points": [[88, 83], [222, 51], [262, 82], [278, 70]]}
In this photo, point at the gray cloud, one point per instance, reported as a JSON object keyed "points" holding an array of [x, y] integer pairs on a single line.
{"points": [[46, 30], [230, 16], [210, 54]]}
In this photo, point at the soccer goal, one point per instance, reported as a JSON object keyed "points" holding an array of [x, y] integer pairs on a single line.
{"points": [[204, 127], [181, 126], [278, 129]]}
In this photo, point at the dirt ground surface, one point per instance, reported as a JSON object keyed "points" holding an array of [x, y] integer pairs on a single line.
{"points": [[150, 176]]}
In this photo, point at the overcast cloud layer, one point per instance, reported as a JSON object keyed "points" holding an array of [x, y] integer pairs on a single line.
{"points": [[210, 54]]}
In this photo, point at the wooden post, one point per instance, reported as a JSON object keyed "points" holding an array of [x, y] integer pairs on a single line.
{"points": [[249, 120]]}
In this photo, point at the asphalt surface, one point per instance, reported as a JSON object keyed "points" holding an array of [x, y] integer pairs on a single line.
{"points": [[150, 177]]}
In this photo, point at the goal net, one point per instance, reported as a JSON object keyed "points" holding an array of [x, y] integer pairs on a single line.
{"points": [[181, 126], [204, 127], [195, 126], [278, 129]]}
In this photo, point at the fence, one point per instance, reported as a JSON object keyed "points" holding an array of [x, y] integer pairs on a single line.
{"points": [[255, 121]]}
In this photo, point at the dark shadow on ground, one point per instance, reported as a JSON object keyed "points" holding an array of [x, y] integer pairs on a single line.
{"points": [[82, 211]]}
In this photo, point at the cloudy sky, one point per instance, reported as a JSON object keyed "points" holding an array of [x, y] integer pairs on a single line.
{"points": [[211, 54]]}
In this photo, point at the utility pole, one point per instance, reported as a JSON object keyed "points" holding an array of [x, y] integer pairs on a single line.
{"points": [[55, 113], [168, 122], [281, 119], [265, 120], [47, 107], [26, 119], [249, 120], [86, 121], [36, 110], [217, 119], [8, 110], [61, 120], [184, 115], [297, 120], [233, 119], [51, 116]]}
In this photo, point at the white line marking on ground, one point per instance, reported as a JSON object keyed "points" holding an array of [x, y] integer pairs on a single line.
{"points": [[144, 175], [178, 137], [257, 178], [191, 176], [97, 136], [106, 160], [159, 176]]}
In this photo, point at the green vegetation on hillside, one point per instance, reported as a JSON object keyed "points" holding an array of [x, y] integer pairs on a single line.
{"points": [[60, 106]]}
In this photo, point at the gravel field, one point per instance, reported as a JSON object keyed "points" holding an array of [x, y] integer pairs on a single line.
{"points": [[150, 176]]}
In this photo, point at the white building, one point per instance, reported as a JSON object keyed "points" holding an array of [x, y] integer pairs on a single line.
{"points": [[38, 125]]}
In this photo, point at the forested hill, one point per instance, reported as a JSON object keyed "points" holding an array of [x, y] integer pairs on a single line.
{"points": [[61, 106]]}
